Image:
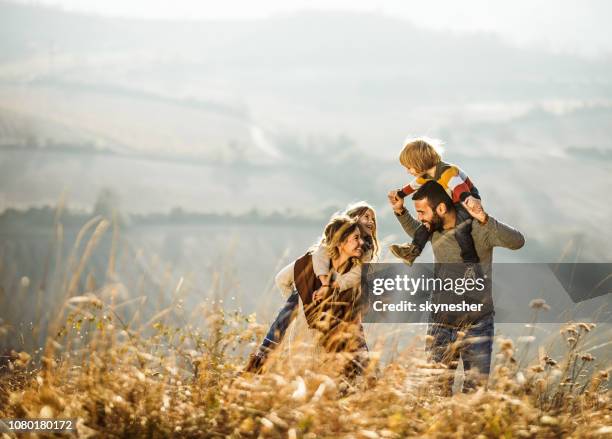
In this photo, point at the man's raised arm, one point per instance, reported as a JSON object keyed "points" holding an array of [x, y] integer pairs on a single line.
{"points": [[408, 222]]}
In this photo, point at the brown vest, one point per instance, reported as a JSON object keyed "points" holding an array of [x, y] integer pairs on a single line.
{"points": [[339, 305], [306, 281]]}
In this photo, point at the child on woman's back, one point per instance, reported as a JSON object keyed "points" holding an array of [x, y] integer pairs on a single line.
{"points": [[321, 265]]}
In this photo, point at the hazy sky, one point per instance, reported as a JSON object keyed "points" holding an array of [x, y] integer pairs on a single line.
{"points": [[560, 25]]}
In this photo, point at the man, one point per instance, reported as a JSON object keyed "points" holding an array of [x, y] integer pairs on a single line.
{"points": [[449, 338]]}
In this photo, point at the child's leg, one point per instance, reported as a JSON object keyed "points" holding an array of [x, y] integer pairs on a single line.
{"points": [[409, 252], [463, 235], [276, 332], [421, 236]]}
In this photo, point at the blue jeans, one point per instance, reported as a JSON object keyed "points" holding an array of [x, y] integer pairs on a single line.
{"points": [[475, 350], [284, 318]]}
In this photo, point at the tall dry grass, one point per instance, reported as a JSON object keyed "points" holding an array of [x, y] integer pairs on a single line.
{"points": [[123, 370]]}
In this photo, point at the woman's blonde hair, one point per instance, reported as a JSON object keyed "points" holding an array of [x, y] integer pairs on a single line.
{"points": [[421, 153], [356, 211], [336, 232]]}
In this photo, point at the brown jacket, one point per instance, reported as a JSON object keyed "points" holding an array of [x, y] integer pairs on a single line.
{"points": [[337, 307]]}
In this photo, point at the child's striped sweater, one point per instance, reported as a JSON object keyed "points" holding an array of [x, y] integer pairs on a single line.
{"points": [[454, 181]]}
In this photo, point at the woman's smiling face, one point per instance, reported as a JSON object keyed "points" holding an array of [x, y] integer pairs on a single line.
{"points": [[368, 221], [351, 246]]}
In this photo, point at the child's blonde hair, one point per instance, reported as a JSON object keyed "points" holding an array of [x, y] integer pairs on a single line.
{"points": [[421, 153]]}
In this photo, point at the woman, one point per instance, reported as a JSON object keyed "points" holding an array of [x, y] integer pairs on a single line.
{"points": [[309, 278]]}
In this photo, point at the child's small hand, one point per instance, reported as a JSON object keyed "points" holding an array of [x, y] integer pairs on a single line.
{"points": [[397, 203], [320, 293], [476, 209], [473, 204]]}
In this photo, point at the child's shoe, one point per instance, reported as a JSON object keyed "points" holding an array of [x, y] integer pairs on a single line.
{"points": [[406, 252]]}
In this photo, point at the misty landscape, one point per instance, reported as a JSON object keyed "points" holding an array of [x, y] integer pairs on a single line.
{"points": [[208, 132], [253, 132], [288, 117], [162, 171]]}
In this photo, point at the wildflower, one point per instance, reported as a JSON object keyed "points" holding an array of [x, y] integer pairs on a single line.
{"points": [[84, 431], [506, 343], [46, 412], [503, 371], [267, 425], [274, 418], [549, 361], [586, 326], [247, 426], [548, 420], [570, 330], [23, 358], [539, 304], [140, 376], [300, 391], [587, 357], [319, 392]]}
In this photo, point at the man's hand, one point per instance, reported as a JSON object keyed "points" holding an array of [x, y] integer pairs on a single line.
{"points": [[474, 208], [397, 203]]}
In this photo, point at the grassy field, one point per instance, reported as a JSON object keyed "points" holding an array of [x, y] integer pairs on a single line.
{"points": [[124, 366]]}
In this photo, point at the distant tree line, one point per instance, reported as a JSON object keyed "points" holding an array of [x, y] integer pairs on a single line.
{"points": [[44, 217]]}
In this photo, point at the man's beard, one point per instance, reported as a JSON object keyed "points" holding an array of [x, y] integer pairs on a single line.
{"points": [[435, 224]]}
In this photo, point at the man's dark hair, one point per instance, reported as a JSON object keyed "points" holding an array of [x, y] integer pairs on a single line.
{"points": [[435, 195]]}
